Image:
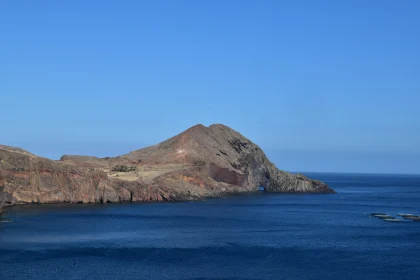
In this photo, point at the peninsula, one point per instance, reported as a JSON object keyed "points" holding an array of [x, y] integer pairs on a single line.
{"points": [[200, 162]]}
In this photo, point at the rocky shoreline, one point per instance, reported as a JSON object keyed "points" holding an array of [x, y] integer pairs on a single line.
{"points": [[198, 163]]}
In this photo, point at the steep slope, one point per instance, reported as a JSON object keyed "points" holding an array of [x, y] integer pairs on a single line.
{"points": [[221, 157], [26, 178], [199, 162]]}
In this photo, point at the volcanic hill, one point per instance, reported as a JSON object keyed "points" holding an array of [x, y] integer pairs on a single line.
{"points": [[200, 162]]}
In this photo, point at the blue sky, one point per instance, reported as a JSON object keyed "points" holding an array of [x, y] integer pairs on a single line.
{"points": [[319, 85]]}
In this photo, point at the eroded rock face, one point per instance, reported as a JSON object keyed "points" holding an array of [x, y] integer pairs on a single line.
{"points": [[200, 162], [26, 178]]}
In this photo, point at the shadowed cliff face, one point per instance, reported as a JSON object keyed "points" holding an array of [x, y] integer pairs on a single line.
{"points": [[200, 162]]}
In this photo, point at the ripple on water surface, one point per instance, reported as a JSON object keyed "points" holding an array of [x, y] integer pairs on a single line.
{"points": [[259, 236]]}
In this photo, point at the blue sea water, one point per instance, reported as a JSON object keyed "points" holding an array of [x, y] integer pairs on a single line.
{"points": [[256, 236]]}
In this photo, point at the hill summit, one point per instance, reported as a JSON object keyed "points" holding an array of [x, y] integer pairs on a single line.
{"points": [[199, 162]]}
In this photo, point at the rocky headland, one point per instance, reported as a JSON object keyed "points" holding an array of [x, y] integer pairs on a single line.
{"points": [[200, 162]]}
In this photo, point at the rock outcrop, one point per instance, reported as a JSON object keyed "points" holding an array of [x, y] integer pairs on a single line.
{"points": [[200, 162]]}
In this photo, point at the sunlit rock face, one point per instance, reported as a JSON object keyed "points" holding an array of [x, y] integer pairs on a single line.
{"points": [[199, 162]]}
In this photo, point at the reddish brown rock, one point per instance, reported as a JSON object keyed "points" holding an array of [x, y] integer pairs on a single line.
{"points": [[200, 162]]}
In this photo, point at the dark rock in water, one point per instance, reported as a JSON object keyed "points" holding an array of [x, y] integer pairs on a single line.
{"points": [[200, 162]]}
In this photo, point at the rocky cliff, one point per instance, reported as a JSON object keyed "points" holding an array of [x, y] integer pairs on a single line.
{"points": [[200, 162]]}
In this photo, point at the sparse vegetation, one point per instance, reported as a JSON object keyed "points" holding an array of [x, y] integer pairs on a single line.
{"points": [[199, 163], [124, 168], [18, 169]]}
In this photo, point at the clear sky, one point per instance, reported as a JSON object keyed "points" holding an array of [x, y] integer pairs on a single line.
{"points": [[319, 85]]}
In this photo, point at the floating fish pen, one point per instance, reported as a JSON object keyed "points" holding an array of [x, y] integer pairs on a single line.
{"points": [[385, 217], [405, 215], [393, 220], [378, 214], [413, 218], [381, 216], [388, 218]]}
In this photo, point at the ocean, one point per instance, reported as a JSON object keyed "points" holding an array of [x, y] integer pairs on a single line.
{"points": [[252, 236]]}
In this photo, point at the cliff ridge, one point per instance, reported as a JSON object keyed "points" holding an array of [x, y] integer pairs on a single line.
{"points": [[199, 162]]}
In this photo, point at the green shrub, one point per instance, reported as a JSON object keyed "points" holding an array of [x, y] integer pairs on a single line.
{"points": [[124, 168]]}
